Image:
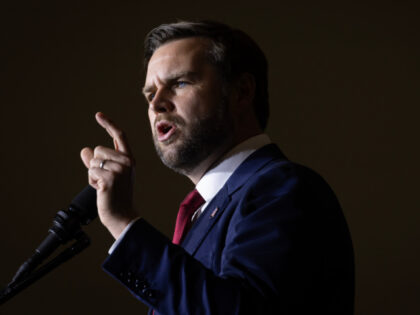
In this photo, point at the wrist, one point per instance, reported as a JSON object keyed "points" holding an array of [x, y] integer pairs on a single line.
{"points": [[116, 226]]}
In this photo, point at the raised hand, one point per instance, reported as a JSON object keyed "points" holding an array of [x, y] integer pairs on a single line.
{"points": [[111, 173]]}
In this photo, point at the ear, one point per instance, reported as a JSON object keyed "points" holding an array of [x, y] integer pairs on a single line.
{"points": [[243, 112], [246, 90]]}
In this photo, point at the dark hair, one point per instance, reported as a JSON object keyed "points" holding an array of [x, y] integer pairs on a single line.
{"points": [[232, 51]]}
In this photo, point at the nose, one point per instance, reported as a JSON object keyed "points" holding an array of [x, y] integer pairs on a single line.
{"points": [[161, 102]]}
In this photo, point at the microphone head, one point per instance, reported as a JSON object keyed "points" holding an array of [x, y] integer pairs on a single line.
{"points": [[84, 204]]}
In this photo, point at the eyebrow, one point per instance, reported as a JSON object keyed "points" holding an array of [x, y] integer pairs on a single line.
{"points": [[171, 78]]}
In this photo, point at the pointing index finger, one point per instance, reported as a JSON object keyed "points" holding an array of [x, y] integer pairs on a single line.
{"points": [[120, 140]]}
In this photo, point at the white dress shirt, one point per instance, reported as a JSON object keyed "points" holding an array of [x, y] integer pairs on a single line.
{"points": [[212, 181]]}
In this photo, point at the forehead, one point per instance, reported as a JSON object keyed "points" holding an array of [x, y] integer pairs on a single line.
{"points": [[187, 54]]}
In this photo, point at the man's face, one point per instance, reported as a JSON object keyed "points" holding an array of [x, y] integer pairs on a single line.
{"points": [[188, 106]]}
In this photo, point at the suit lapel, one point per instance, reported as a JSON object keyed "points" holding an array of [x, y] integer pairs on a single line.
{"points": [[206, 221], [219, 203]]}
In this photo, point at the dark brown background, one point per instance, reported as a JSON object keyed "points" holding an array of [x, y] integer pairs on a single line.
{"points": [[344, 97]]}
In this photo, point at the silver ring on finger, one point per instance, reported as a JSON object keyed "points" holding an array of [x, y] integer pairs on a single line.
{"points": [[102, 164]]}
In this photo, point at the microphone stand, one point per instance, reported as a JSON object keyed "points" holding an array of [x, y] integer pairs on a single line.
{"points": [[81, 242]]}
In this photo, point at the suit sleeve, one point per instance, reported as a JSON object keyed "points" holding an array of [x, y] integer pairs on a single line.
{"points": [[263, 268]]}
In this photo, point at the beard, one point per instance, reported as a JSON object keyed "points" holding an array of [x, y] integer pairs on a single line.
{"points": [[198, 140]]}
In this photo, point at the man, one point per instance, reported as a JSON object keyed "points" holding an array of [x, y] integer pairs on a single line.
{"points": [[268, 236]]}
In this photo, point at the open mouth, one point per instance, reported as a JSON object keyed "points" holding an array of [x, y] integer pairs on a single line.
{"points": [[165, 130]]}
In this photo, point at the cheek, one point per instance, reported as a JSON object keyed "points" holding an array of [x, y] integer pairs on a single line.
{"points": [[196, 105], [152, 117]]}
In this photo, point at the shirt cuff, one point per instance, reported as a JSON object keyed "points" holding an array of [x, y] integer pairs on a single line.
{"points": [[118, 240]]}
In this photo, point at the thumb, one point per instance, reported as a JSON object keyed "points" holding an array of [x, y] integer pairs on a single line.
{"points": [[86, 154]]}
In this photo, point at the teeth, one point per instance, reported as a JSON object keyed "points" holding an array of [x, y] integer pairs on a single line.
{"points": [[164, 128]]}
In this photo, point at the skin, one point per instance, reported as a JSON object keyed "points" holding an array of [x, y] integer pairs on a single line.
{"points": [[182, 87]]}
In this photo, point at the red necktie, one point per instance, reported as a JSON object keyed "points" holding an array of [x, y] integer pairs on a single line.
{"points": [[191, 203]]}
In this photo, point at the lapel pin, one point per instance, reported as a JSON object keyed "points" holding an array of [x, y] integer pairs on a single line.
{"points": [[214, 213]]}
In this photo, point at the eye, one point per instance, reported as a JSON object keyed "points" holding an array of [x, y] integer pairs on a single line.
{"points": [[150, 97], [180, 84]]}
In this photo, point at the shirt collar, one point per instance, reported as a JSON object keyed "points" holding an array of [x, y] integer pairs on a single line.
{"points": [[212, 181]]}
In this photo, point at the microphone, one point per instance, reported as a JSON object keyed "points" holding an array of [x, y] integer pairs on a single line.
{"points": [[66, 226]]}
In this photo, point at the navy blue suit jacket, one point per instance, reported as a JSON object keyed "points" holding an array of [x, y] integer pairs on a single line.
{"points": [[272, 241]]}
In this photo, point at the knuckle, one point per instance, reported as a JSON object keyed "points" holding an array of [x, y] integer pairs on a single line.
{"points": [[92, 163], [98, 149], [92, 174], [126, 160], [120, 134], [118, 168]]}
